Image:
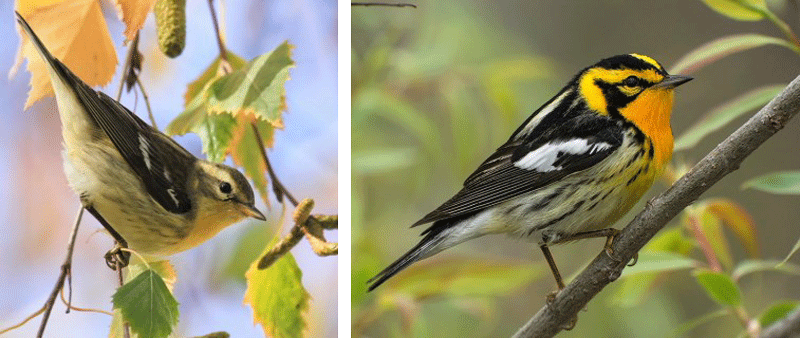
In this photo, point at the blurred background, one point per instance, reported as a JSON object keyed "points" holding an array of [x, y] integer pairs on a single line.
{"points": [[437, 88], [38, 208]]}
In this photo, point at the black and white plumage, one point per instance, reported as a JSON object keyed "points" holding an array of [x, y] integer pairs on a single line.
{"points": [[147, 190], [576, 165]]}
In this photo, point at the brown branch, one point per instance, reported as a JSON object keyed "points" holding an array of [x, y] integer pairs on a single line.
{"points": [[304, 225], [789, 326], [223, 54], [724, 159], [66, 268], [147, 103]]}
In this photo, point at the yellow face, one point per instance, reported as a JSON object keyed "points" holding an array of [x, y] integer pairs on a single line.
{"points": [[639, 89]]}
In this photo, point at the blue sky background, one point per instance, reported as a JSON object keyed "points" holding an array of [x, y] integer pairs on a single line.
{"points": [[37, 208]]}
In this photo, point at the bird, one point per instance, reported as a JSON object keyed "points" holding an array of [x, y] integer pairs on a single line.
{"points": [[572, 169], [152, 195]]}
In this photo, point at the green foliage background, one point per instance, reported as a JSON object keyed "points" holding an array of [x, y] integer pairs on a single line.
{"points": [[436, 89]]}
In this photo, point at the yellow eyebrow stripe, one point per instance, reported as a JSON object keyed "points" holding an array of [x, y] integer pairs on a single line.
{"points": [[648, 59]]}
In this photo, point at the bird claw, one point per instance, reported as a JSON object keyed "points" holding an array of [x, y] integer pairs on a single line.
{"points": [[117, 258]]}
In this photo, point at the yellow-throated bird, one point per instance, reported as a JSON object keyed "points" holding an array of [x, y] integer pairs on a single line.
{"points": [[145, 189], [571, 170]]}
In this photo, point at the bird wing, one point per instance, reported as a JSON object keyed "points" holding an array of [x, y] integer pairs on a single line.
{"points": [[523, 165], [161, 164]]}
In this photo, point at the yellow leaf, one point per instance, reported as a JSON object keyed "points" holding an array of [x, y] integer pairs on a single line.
{"points": [[133, 13], [75, 32], [739, 221]]}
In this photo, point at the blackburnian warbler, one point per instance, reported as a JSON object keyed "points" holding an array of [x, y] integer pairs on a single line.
{"points": [[571, 170], [145, 189]]}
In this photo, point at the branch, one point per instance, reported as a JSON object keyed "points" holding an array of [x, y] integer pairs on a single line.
{"points": [[789, 326], [724, 159], [66, 268]]}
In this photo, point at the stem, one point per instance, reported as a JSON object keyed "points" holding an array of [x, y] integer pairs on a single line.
{"points": [[66, 267], [128, 62], [223, 54], [721, 161], [147, 103], [277, 186]]}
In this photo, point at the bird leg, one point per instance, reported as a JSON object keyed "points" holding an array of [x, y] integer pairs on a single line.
{"points": [[559, 282], [608, 233], [115, 255]]}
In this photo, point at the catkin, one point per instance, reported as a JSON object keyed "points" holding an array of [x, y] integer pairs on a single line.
{"points": [[171, 26]]}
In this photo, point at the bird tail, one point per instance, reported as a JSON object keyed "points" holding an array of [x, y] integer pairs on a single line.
{"points": [[429, 245], [36, 42]]}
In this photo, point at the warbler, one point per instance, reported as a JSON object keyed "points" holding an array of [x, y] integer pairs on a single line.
{"points": [[571, 170], [150, 193]]}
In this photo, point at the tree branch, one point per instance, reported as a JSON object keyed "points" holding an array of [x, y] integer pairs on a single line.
{"points": [[724, 159], [789, 326]]}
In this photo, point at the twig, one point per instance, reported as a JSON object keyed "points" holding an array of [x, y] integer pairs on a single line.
{"points": [[223, 54], [724, 159], [24, 321], [367, 4], [147, 103], [277, 187], [66, 268], [132, 51], [789, 326], [80, 309], [304, 225]]}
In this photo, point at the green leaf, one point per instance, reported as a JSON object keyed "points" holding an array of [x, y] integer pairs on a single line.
{"points": [[681, 330], [744, 10], [777, 311], [382, 160], [722, 47], [257, 89], [792, 252], [210, 74], [756, 265], [659, 262], [719, 287], [724, 114], [783, 183], [632, 290], [670, 240], [147, 305], [277, 296], [462, 277]]}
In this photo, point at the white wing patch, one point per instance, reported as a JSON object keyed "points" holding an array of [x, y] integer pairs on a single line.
{"points": [[144, 147], [543, 158]]}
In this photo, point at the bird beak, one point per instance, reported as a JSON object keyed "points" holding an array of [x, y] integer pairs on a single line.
{"points": [[672, 81], [251, 211]]}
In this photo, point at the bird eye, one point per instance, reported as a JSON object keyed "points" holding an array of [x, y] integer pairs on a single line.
{"points": [[631, 81], [225, 187]]}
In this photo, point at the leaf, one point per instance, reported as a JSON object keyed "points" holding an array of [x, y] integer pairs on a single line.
{"points": [[256, 89], [382, 160], [738, 220], [632, 290], [776, 312], [717, 49], [724, 114], [792, 252], [670, 240], [277, 297], [744, 10], [659, 262], [133, 14], [461, 277], [681, 330], [755, 265], [782, 183], [222, 107], [710, 228], [75, 32], [147, 305], [719, 287]]}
